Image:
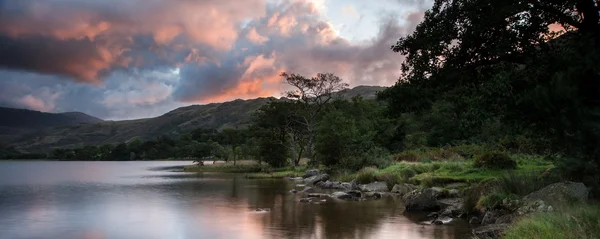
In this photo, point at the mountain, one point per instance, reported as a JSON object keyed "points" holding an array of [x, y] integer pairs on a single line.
{"points": [[237, 113], [29, 119]]}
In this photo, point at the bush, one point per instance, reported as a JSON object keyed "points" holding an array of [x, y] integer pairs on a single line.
{"points": [[495, 160], [366, 175], [576, 222], [526, 182]]}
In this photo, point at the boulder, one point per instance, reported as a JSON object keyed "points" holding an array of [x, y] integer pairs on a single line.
{"points": [[300, 185], [534, 206], [442, 220], [308, 190], [490, 231], [315, 179], [489, 217], [454, 193], [452, 207], [318, 195], [474, 221], [343, 196], [310, 173], [293, 191], [403, 189], [560, 194], [348, 186], [296, 179], [374, 187], [330, 185], [355, 193], [422, 200], [376, 195]]}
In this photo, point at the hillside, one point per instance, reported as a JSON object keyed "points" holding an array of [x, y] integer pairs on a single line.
{"points": [[29, 119], [216, 115]]}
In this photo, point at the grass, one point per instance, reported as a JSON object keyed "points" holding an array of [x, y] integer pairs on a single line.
{"points": [[574, 222], [281, 174], [430, 173], [227, 168]]}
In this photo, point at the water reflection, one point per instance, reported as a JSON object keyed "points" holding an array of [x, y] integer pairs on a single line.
{"points": [[127, 200]]}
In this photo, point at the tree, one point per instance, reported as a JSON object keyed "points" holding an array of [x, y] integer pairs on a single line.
{"points": [[311, 95]]}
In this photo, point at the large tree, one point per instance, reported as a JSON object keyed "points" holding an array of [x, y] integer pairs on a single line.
{"points": [[312, 96]]}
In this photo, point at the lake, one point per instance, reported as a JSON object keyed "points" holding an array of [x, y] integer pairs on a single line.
{"points": [[148, 199]]}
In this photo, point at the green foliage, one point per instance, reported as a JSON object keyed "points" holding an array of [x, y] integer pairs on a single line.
{"points": [[366, 175], [495, 160], [574, 222], [526, 182]]}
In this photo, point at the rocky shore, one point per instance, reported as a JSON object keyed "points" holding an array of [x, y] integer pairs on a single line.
{"points": [[444, 204]]}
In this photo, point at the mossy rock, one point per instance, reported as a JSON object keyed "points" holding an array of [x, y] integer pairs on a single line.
{"points": [[495, 160]]}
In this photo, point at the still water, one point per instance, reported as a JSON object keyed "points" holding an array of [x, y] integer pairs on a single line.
{"points": [[93, 200]]}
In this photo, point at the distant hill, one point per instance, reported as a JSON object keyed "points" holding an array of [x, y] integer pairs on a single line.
{"points": [[30, 119], [237, 113]]}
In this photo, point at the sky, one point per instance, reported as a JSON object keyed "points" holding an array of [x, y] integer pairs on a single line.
{"points": [[127, 59]]}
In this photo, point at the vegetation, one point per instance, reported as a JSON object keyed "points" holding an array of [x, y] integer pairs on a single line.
{"points": [[577, 221]]}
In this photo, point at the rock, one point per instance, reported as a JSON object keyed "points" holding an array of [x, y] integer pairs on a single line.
{"points": [[293, 191], [347, 186], [315, 179], [318, 195], [355, 193], [475, 221], [489, 218], [453, 193], [560, 194], [376, 195], [300, 185], [442, 220], [310, 173], [508, 218], [330, 185], [374, 187], [296, 179], [308, 190], [422, 200], [305, 200], [490, 231], [456, 185], [342, 195], [453, 207], [534, 206], [403, 189], [433, 215]]}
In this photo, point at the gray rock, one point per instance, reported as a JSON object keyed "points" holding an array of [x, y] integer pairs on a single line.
{"points": [[442, 220], [296, 179], [374, 187], [453, 193], [300, 185], [305, 200], [342, 195], [560, 194], [508, 218], [330, 185], [534, 206], [355, 193], [310, 173], [490, 231], [433, 215], [403, 189], [422, 200], [315, 179], [347, 186], [308, 190], [293, 191], [318, 195], [489, 218], [376, 195], [474, 221], [453, 207]]}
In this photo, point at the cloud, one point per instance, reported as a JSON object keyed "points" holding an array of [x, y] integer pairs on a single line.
{"points": [[139, 58]]}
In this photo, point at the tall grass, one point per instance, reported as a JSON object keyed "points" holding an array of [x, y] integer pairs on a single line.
{"points": [[366, 175], [575, 222], [523, 183]]}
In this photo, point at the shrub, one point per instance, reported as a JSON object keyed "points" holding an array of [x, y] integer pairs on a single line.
{"points": [[390, 179], [407, 173], [366, 175], [576, 222], [495, 160], [526, 182]]}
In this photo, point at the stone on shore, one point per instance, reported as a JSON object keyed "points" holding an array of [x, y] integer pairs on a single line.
{"points": [[422, 200], [308, 190], [403, 189], [315, 179], [343, 196], [310, 173], [560, 194], [374, 187]]}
